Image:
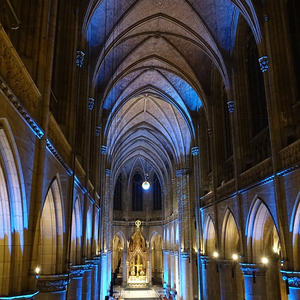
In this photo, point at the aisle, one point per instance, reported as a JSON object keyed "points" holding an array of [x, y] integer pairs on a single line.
{"points": [[140, 294]]}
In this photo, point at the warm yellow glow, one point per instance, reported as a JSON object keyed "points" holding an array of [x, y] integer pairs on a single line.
{"points": [[235, 257], [215, 254], [264, 260], [37, 270], [146, 185], [276, 249]]}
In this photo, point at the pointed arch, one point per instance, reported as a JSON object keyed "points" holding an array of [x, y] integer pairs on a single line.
{"points": [[13, 211], [295, 229], [118, 246], [51, 231], [261, 232], [156, 244], [209, 236], [76, 232], [89, 231], [230, 235]]}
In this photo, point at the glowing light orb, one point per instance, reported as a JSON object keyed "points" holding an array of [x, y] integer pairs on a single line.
{"points": [[264, 260], [146, 185], [37, 270], [235, 257], [215, 254]]}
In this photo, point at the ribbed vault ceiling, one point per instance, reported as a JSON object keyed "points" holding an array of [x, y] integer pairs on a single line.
{"points": [[152, 63]]}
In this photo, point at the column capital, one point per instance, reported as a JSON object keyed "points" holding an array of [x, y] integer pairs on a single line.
{"points": [[107, 172], [250, 269], [292, 277], [264, 63], [195, 151], [77, 271], [103, 149], [98, 128], [79, 58], [91, 102], [185, 255], [53, 283], [182, 172], [230, 106]]}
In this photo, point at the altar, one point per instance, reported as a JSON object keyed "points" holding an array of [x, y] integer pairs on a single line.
{"points": [[138, 263]]}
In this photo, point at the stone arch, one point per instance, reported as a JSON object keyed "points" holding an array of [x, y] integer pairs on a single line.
{"points": [[118, 247], [295, 229], [156, 243], [230, 236], [89, 230], [209, 236], [96, 240], [76, 232], [51, 231], [13, 212], [261, 232]]}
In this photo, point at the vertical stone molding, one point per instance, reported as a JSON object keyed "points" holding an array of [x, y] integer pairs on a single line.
{"points": [[255, 281], [91, 103], [98, 129], [53, 287], [230, 106], [124, 270], [79, 58], [264, 63], [104, 277], [210, 278], [186, 280], [292, 279], [103, 149], [228, 288], [87, 282], [75, 286], [166, 267], [195, 151]]}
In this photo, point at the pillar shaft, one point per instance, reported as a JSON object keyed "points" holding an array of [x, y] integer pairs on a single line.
{"points": [[228, 288], [255, 281], [52, 287], [186, 282], [292, 280]]}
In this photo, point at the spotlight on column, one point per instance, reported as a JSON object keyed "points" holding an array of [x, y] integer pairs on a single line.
{"points": [[215, 254], [264, 260], [235, 257], [37, 270]]}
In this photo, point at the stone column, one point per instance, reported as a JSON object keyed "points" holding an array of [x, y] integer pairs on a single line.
{"points": [[255, 281], [210, 287], [124, 270], [176, 275], [292, 280], [186, 282], [228, 288], [204, 277], [87, 282], [52, 287], [93, 264], [75, 286], [150, 265], [104, 277], [166, 267]]}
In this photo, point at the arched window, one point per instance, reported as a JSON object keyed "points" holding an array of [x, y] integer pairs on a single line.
{"points": [[118, 194], [137, 193], [256, 89], [156, 190]]}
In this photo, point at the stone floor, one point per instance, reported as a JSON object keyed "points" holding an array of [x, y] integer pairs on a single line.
{"points": [[141, 294]]}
